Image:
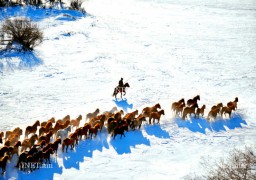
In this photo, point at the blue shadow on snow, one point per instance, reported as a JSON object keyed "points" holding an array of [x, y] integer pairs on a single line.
{"points": [[38, 14], [123, 104], [39, 174], [131, 139], [85, 148], [201, 124], [18, 60], [157, 131]]}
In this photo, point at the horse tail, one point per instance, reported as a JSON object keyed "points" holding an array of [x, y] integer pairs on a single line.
{"points": [[114, 93]]}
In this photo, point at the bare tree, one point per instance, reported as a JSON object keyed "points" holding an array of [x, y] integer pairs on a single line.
{"points": [[239, 165], [77, 5], [23, 32]]}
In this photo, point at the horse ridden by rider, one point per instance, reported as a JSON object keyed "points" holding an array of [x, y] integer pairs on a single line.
{"points": [[120, 88]]}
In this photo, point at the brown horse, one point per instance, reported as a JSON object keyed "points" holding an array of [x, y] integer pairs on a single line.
{"points": [[118, 115], [97, 119], [179, 109], [17, 131], [131, 116], [3, 162], [45, 129], [1, 137], [62, 121], [15, 149], [156, 115], [200, 111], [233, 104], [59, 126], [32, 129], [28, 143], [74, 136], [137, 122], [94, 130], [92, 115], [55, 145], [189, 110], [152, 109], [193, 101], [47, 154], [76, 122], [100, 122], [68, 142], [219, 106], [85, 130], [227, 110], [52, 120], [176, 105], [46, 137], [13, 139], [111, 126], [118, 130], [4, 150], [120, 90], [213, 113], [41, 144]]}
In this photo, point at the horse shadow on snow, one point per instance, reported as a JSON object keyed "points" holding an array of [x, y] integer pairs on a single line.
{"points": [[131, 139], [156, 131], [123, 104], [39, 174], [85, 148], [201, 124]]}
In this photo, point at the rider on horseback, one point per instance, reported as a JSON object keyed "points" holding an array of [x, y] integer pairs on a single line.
{"points": [[120, 88], [121, 85]]}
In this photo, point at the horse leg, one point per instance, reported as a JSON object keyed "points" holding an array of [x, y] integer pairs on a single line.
{"points": [[66, 148]]}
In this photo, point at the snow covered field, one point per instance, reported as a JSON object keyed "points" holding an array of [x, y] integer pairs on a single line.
{"points": [[166, 50]]}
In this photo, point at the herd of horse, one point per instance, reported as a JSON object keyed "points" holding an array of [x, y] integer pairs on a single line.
{"points": [[180, 108], [41, 140]]}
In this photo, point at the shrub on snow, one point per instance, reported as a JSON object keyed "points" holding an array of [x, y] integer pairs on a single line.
{"points": [[22, 31]]}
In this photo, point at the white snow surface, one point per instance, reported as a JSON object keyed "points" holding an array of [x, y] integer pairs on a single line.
{"points": [[166, 50]]}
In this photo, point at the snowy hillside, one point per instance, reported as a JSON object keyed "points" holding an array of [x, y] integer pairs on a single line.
{"points": [[166, 50]]}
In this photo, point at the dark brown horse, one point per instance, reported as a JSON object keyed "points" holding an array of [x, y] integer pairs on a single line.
{"points": [[3, 162], [119, 130], [15, 149], [47, 154], [94, 130], [1, 137], [55, 145], [4, 150], [85, 130], [233, 105], [193, 101], [120, 90], [68, 142], [32, 129]]}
